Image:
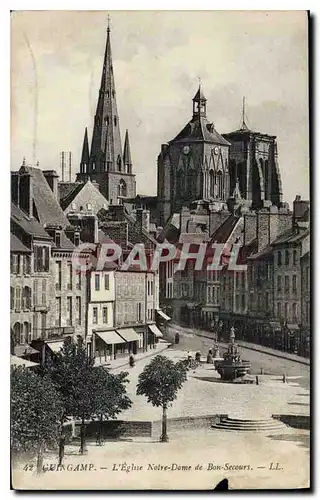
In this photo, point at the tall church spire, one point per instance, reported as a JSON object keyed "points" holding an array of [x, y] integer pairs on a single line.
{"points": [[127, 154], [85, 153], [106, 121], [199, 103]]}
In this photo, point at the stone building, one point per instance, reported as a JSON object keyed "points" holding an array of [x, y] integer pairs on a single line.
{"points": [[81, 197], [193, 165], [106, 163]]}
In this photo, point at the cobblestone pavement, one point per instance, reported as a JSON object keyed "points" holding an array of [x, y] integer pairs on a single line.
{"points": [[207, 457], [204, 394]]}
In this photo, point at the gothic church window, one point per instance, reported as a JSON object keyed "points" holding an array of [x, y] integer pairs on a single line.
{"points": [[122, 188], [211, 183], [115, 121], [220, 185], [119, 163], [266, 177]]}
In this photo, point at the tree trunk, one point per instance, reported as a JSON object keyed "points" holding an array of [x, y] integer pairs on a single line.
{"points": [[164, 436], [82, 438], [100, 432], [40, 458]]}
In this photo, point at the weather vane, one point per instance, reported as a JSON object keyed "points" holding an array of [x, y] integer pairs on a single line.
{"points": [[108, 22]]}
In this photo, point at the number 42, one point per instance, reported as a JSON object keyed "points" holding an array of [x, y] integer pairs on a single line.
{"points": [[28, 467]]}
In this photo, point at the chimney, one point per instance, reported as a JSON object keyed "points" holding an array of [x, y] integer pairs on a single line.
{"points": [[25, 192], [184, 219], [15, 177], [271, 223], [52, 179], [250, 227], [301, 209]]}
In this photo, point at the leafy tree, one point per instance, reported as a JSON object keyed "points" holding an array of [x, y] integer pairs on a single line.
{"points": [[159, 382], [36, 410], [111, 395], [87, 392]]}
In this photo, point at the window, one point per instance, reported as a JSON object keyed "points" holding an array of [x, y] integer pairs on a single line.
{"points": [[97, 282], [18, 299], [95, 315], [78, 284], [58, 311], [279, 309], [237, 302], [15, 263], [43, 324], [27, 264], [286, 283], [69, 283], [35, 292], [26, 298], [286, 310], [294, 312], [243, 302], [11, 298], [139, 311], [106, 282], [267, 302], [69, 311], [44, 292], [89, 206], [58, 275], [115, 121], [279, 258], [78, 305], [58, 239], [105, 315], [294, 257], [279, 283], [287, 257], [294, 283], [307, 277], [77, 239]]}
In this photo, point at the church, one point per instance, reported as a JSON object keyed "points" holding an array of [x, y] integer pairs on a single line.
{"points": [[200, 164], [106, 163]]}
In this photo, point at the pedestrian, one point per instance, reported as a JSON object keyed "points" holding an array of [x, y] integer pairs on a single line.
{"points": [[284, 378], [131, 360], [257, 380]]}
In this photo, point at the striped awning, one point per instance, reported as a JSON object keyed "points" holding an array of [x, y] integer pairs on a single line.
{"points": [[163, 315], [155, 330], [129, 334], [110, 337]]}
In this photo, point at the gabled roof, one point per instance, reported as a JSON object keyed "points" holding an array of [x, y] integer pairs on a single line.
{"points": [[222, 233], [47, 207], [200, 129], [29, 225], [17, 246], [291, 236], [68, 190]]}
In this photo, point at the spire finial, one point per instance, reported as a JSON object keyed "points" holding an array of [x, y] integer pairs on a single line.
{"points": [[24, 161], [108, 28], [199, 79], [38, 163]]}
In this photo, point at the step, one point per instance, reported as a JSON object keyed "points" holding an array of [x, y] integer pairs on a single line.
{"points": [[249, 424]]}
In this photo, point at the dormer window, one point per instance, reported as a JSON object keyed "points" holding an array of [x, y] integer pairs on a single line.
{"points": [[73, 206], [57, 239], [89, 206], [77, 239]]}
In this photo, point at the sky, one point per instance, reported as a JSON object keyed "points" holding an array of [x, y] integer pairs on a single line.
{"points": [[158, 58]]}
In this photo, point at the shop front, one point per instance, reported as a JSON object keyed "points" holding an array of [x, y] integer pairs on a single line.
{"points": [[154, 334]]}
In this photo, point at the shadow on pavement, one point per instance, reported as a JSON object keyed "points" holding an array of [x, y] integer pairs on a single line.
{"points": [[303, 440]]}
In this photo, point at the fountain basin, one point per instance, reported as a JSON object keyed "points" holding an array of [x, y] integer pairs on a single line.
{"points": [[230, 370]]}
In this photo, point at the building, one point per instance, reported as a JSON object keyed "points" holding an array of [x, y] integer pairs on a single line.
{"points": [[193, 165], [81, 197], [30, 279], [106, 162]]}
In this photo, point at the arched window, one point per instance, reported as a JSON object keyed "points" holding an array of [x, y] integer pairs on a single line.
{"points": [[25, 333], [115, 121], [26, 298], [122, 188], [266, 175], [119, 163], [219, 185], [106, 120], [17, 332], [11, 298], [211, 183], [192, 180]]}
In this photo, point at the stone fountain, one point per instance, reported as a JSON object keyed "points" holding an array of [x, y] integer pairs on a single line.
{"points": [[232, 366]]}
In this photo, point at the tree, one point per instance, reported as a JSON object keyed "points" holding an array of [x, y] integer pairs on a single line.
{"points": [[36, 410], [87, 392], [111, 396], [159, 382]]}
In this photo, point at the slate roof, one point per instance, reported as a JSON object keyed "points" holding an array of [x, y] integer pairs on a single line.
{"points": [[222, 233], [47, 206], [290, 236], [17, 246], [200, 129], [68, 193], [28, 225]]}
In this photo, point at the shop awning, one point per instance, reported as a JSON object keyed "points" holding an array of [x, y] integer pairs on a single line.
{"points": [[55, 346], [275, 325], [292, 326], [110, 337], [129, 334], [163, 315], [155, 330], [16, 361], [24, 350]]}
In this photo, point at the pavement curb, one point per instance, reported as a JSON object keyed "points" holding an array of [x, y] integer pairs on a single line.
{"points": [[263, 351]]}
